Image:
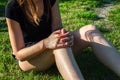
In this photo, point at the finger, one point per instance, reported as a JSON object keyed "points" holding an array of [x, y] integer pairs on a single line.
{"points": [[67, 34], [60, 45], [64, 35], [70, 43], [57, 32], [63, 31], [66, 39]]}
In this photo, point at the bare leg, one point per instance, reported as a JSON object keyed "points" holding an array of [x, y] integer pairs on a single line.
{"points": [[64, 59], [106, 53], [67, 65], [39, 63]]}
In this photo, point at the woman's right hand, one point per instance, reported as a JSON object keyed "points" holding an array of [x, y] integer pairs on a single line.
{"points": [[52, 42]]}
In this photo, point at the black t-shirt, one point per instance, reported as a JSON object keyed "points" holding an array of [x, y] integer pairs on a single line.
{"points": [[31, 33]]}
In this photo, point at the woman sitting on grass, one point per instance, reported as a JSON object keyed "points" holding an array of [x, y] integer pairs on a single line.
{"points": [[38, 39]]}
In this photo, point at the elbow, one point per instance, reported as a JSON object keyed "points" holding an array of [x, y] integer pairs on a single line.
{"points": [[20, 57]]}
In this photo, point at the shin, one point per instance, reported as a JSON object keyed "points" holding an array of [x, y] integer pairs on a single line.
{"points": [[67, 65]]}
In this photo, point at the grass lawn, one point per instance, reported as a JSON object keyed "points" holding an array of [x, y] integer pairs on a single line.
{"points": [[75, 13]]}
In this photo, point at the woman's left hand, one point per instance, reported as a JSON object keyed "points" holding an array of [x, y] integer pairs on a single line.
{"points": [[66, 38]]}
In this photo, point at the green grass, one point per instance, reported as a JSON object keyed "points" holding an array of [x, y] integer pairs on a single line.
{"points": [[2, 7], [75, 13]]}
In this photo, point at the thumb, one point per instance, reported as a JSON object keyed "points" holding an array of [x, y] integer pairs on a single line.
{"points": [[62, 31]]}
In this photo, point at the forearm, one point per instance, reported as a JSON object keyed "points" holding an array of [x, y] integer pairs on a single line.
{"points": [[29, 52], [36, 49]]}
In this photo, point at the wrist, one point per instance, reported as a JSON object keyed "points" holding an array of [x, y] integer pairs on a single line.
{"points": [[44, 46]]}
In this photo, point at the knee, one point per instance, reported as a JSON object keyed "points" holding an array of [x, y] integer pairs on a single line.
{"points": [[23, 68], [88, 28], [88, 31], [91, 27], [91, 32]]}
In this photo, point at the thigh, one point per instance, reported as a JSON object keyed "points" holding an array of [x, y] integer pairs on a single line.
{"points": [[38, 63]]}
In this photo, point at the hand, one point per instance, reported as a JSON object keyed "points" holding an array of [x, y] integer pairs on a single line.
{"points": [[52, 41], [66, 38], [59, 39]]}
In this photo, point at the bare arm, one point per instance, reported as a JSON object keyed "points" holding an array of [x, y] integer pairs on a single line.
{"points": [[56, 18], [16, 38], [17, 42], [24, 53], [57, 23]]}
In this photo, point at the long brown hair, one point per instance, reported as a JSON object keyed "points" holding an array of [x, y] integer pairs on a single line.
{"points": [[30, 11]]}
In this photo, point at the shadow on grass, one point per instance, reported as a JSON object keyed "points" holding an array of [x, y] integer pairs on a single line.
{"points": [[3, 26], [92, 68], [2, 7], [2, 11], [52, 71]]}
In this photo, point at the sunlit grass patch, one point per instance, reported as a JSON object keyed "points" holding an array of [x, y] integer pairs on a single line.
{"points": [[75, 14], [114, 18]]}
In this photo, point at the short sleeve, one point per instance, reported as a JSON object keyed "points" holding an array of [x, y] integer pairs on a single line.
{"points": [[52, 2], [11, 11]]}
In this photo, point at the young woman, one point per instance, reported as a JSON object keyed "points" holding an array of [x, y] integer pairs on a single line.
{"points": [[38, 39]]}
